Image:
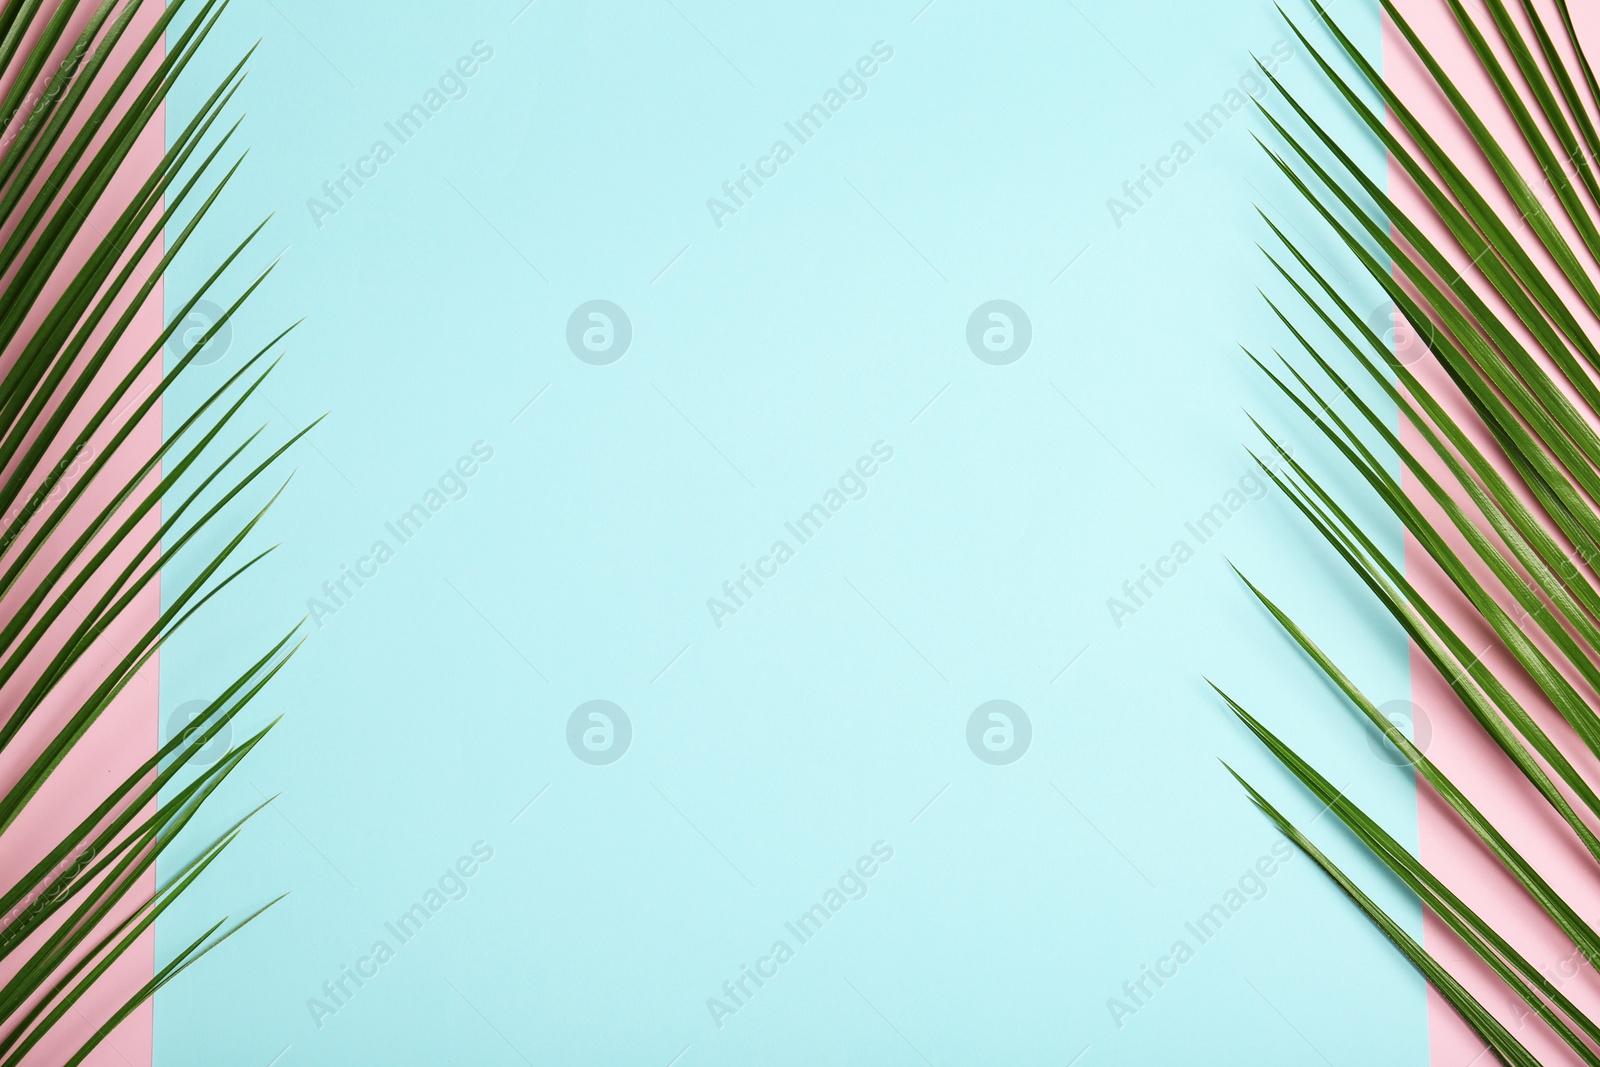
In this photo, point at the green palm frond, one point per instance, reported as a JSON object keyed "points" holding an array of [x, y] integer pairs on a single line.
{"points": [[81, 83], [1515, 487]]}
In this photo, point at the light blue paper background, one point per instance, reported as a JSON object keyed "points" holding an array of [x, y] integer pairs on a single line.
{"points": [[768, 354]]}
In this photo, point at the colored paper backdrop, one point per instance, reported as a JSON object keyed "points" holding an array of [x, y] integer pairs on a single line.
{"points": [[763, 556]]}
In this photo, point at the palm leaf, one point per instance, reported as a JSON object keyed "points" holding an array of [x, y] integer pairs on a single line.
{"points": [[1515, 488], [81, 83]]}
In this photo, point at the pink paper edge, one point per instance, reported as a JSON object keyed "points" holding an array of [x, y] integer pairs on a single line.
{"points": [[128, 734], [1458, 745]]}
